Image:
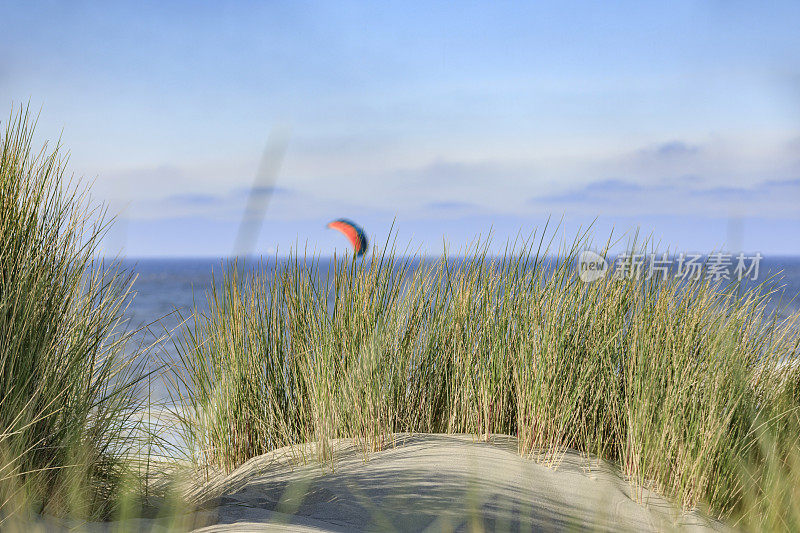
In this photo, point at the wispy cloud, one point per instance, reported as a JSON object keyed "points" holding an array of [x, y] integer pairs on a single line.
{"points": [[450, 206], [226, 205], [670, 178], [267, 191], [672, 149], [772, 198], [193, 199]]}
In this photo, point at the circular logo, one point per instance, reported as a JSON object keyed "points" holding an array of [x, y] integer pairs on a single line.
{"points": [[591, 266]]}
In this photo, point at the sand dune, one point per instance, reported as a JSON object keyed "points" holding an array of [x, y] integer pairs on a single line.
{"points": [[434, 482]]}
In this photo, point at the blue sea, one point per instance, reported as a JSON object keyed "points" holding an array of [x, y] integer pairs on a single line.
{"points": [[166, 289]]}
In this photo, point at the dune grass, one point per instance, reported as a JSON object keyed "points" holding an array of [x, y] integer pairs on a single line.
{"points": [[67, 394], [681, 383]]}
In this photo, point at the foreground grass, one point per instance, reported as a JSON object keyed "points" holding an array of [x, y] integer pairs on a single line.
{"points": [[67, 396], [684, 385]]}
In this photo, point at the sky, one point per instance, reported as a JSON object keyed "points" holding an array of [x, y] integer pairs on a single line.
{"points": [[429, 124]]}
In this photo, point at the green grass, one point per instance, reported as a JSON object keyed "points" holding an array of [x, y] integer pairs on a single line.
{"points": [[681, 384], [66, 393]]}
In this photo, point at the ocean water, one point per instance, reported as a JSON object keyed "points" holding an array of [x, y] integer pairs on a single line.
{"points": [[167, 290]]}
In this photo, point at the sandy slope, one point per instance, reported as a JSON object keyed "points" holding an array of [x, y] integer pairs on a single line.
{"points": [[434, 482]]}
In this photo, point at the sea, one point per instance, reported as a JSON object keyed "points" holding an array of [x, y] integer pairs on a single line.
{"points": [[166, 291]]}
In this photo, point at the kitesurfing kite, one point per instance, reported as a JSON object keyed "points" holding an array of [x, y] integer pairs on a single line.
{"points": [[353, 232]]}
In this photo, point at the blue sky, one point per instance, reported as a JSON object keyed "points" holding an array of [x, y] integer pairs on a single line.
{"points": [[682, 119]]}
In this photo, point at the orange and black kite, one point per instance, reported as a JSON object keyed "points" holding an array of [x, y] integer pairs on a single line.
{"points": [[353, 232]]}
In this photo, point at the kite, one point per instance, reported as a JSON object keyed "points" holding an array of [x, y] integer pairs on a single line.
{"points": [[353, 232]]}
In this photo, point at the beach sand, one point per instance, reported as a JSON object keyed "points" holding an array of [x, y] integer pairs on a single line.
{"points": [[419, 482], [435, 483]]}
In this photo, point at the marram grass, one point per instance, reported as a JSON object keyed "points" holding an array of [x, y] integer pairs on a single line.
{"points": [[66, 393], [683, 384]]}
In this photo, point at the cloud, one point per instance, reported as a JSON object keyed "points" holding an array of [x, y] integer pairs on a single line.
{"points": [[193, 199], [450, 206], [681, 178], [267, 191], [664, 161], [673, 149], [725, 193], [674, 177], [613, 186], [448, 173], [626, 198], [226, 205], [779, 184], [595, 191], [339, 144]]}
